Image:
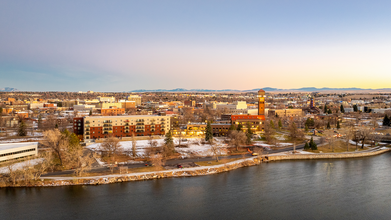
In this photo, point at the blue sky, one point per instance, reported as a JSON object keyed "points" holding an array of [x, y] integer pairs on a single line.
{"points": [[127, 45]]}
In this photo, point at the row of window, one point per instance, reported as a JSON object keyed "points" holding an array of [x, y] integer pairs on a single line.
{"points": [[17, 152]]}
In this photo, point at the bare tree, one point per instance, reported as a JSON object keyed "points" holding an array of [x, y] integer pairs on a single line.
{"points": [[57, 142], [82, 161], [134, 146], [216, 151], [348, 132], [269, 133], [237, 138], [363, 134], [331, 138], [295, 134], [157, 161], [111, 146]]}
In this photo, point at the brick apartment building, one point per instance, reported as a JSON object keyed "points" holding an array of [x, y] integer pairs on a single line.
{"points": [[94, 127]]}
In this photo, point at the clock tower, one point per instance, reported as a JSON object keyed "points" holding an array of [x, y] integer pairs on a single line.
{"points": [[261, 102]]}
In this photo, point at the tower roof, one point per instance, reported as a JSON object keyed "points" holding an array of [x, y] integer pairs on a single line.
{"points": [[261, 90]]}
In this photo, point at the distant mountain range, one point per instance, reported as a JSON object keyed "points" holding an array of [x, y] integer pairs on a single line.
{"points": [[8, 89], [269, 89]]}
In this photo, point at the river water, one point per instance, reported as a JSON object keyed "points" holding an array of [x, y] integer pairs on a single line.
{"points": [[321, 189]]}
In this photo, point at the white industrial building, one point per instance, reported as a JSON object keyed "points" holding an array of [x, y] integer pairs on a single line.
{"points": [[11, 151]]}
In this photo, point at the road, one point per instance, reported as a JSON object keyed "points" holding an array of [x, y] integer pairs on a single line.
{"points": [[180, 161]]}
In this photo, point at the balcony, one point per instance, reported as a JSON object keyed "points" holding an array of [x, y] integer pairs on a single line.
{"points": [[107, 121], [87, 133], [140, 131], [106, 125], [140, 123], [87, 122], [87, 129]]}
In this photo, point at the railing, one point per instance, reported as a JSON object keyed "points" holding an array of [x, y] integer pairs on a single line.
{"points": [[87, 122]]}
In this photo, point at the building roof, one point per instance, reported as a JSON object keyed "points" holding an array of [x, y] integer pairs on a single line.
{"points": [[125, 116], [8, 146]]}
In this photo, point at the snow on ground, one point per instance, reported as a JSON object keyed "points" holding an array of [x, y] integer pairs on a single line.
{"points": [[2, 141], [194, 146], [354, 143], [263, 144], [20, 165]]}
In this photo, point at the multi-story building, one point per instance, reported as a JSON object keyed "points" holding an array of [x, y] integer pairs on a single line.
{"points": [[135, 98], [12, 151], [112, 111], [95, 127], [286, 112]]}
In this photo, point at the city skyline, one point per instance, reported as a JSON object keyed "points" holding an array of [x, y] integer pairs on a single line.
{"points": [[124, 46]]}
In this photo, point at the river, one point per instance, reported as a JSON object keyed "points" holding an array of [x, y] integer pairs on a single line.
{"points": [[322, 189]]}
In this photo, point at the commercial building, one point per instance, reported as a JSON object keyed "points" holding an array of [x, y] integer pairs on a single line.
{"points": [[12, 151], [113, 111], [135, 98], [95, 127], [286, 112]]}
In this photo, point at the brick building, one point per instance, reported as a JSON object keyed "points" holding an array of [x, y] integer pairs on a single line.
{"points": [[94, 127]]}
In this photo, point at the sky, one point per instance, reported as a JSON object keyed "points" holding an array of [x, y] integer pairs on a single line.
{"points": [[111, 45]]}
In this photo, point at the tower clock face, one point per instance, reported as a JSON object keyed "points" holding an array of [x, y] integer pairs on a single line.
{"points": [[261, 99]]}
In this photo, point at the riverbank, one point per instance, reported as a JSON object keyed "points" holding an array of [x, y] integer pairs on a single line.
{"points": [[195, 171]]}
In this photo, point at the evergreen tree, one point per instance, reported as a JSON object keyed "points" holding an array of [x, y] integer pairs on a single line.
{"points": [[306, 128], [239, 128], [328, 125], [279, 124], [232, 127], [208, 132], [56, 126], [338, 125], [386, 120], [169, 140], [271, 124], [306, 146], [325, 109], [342, 109], [313, 145], [90, 112], [276, 115], [249, 134], [355, 108], [39, 121], [329, 111], [22, 129]]}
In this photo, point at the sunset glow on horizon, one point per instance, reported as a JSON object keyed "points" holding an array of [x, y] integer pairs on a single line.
{"points": [[129, 45]]}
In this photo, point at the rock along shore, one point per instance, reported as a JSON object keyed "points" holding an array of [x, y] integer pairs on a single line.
{"points": [[193, 171]]}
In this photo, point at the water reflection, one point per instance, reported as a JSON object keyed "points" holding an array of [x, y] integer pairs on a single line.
{"points": [[322, 189]]}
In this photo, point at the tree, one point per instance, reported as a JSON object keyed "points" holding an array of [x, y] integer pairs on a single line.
{"points": [[306, 146], [312, 144], [329, 111], [169, 139], [295, 134], [269, 133], [279, 124], [134, 147], [328, 125], [249, 134], [90, 112], [239, 128], [386, 120], [271, 124], [338, 125], [342, 109], [348, 134], [22, 131], [57, 142], [306, 128], [355, 108], [363, 134], [231, 128], [208, 132], [330, 137], [111, 146], [325, 109], [39, 122], [237, 138], [215, 151], [157, 161]]}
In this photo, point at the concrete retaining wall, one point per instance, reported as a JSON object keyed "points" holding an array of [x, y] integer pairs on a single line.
{"points": [[325, 156]]}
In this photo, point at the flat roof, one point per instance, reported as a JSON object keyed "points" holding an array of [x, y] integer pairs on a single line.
{"points": [[8, 146], [125, 116]]}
